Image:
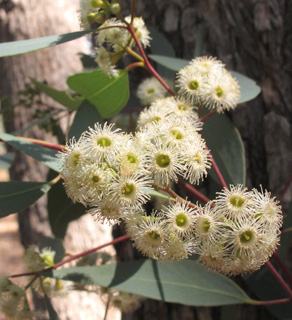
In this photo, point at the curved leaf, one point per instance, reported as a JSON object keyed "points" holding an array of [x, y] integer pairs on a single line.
{"points": [[224, 141], [63, 97], [108, 94], [16, 195], [248, 87], [38, 152], [86, 116], [23, 46], [62, 210], [186, 281]]}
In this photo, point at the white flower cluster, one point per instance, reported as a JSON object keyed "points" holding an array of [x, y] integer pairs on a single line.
{"points": [[109, 171], [206, 81], [113, 39], [234, 234]]}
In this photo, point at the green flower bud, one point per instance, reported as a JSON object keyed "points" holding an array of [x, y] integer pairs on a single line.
{"points": [[115, 8]]}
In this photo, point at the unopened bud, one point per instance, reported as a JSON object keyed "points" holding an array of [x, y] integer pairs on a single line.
{"points": [[115, 8], [96, 3]]}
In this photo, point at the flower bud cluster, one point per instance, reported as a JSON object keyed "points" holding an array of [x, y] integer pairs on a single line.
{"points": [[205, 81]]}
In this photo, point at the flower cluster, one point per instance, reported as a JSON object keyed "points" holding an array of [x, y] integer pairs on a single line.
{"points": [[206, 81], [37, 261], [114, 39]]}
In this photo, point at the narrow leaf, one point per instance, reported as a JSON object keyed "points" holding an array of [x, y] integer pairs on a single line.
{"points": [[23, 46], [40, 153], [224, 141], [52, 313], [185, 282], [248, 87], [108, 94], [6, 160], [62, 210], [86, 116], [16, 195], [157, 194], [63, 97]]}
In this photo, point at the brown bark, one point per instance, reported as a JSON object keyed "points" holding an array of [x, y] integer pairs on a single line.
{"points": [[25, 19]]}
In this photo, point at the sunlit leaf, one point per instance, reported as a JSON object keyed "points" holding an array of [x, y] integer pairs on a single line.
{"points": [[186, 282], [63, 97], [108, 94], [23, 46], [40, 153]]}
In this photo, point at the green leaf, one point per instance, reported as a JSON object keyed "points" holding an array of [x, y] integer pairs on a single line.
{"points": [[224, 141], [6, 160], [52, 313], [23, 46], [16, 195], [108, 94], [156, 194], [40, 153], [62, 210], [185, 282], [86, 116], [63, 97], [248, 87], [266, 288]]}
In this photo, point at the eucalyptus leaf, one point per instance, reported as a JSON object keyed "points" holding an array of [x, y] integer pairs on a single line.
{"points": [[24, 46], [185, 281], [86, 116], [45, 155], [155, 193], [108, 94], [63, 97], [224, 141], [266, 288], [52, 312], [16, 195], [6, 160], [62, 210], [248, 87]]}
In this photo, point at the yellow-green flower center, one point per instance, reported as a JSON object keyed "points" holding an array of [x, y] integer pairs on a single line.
{"points": [[194, 85], [132, 158], [150, 91], [104, 142], [206, 226], [181, 220], [246, 237], [177, 134], [96, 179], [163, 160], [128, 189], [237, 201], [219, 92], [153, 235], [75, 159]]}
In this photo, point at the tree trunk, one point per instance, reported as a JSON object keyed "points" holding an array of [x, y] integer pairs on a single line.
{"points": [[254, 38], [25, 19]]}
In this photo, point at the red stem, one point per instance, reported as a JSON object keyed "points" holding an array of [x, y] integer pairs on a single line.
{"points": [[271, 302], [193, 191], [148, 66], [279, 278], [217, 171], [77, 256], [286, 272], [208, 115], [45, 144]]}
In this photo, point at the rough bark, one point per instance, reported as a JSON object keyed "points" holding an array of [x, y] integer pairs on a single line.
{"points": [[25, 19]]}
